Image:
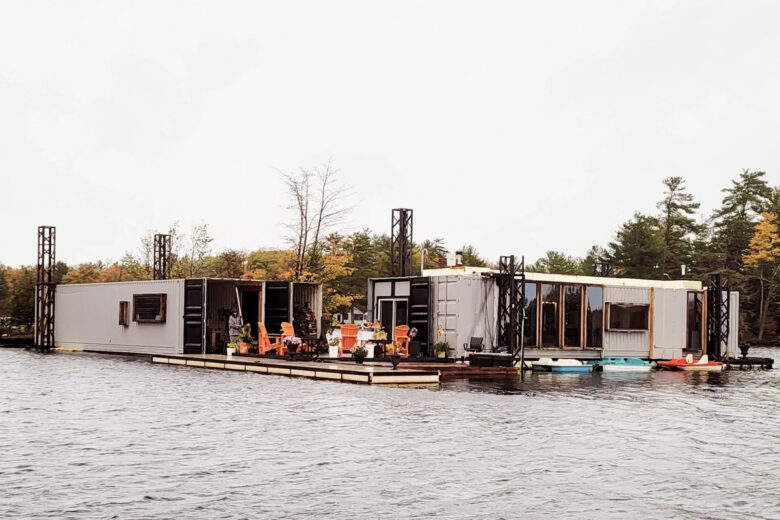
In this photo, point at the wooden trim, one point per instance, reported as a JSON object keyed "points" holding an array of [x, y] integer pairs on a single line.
{"points": [[651, 322]]}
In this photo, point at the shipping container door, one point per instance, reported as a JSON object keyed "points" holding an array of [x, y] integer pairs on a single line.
{"points": [[419, 311], [194, 327], [277, 306]]}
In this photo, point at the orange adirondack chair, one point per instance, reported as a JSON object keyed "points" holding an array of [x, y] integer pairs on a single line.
{"points": [[264, 344], [287, 331], [349, 336], [401, 339]]}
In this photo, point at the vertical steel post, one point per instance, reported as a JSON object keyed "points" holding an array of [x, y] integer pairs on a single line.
{"points": [[45, 287], [401, 242], [162, 253]]}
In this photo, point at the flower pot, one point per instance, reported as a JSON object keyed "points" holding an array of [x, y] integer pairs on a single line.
{"points": [[441, 354], [333, 351], [395, 359], [230, 352], [744, 349], [292, 349], [358, 359], [243, 348]]}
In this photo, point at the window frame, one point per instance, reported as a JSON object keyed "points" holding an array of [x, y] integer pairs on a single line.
{"points": [[124, 313], [163, 303], [608, 316]]}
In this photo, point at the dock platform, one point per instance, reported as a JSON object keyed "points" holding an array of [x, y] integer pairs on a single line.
{"points": [[344, 372]]}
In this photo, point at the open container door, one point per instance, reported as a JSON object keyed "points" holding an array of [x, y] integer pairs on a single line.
{"points": [[194, 316]]}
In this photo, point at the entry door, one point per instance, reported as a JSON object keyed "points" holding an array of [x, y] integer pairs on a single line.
{"points": [[392, 313], [277, 306], [419, 311], [194, 315]]}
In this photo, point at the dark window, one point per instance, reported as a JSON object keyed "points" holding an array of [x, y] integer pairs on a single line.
{"points": [[594, 317], [124, 314], [628, 317], [550, 294], [529, 328], [693, 340], [572, 315], [149, 308]]}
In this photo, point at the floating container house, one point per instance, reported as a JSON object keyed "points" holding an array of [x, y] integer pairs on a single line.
{"points": [[174, 316], [566, 316]]}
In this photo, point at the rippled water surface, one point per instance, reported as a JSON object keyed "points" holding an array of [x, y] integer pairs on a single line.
{"points": [[90, 436]]}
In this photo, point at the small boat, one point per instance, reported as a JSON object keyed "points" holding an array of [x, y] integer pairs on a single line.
{"points": [[622, 364], [560, 366], [688, 364]]}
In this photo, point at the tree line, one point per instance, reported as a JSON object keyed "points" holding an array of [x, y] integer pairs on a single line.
{"points": [[739, 239]]}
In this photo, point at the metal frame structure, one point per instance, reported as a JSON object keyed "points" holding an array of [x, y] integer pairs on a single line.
{"points": [[162, 254], [511, 311], [718, 312], [401, 242], [45, 287]]}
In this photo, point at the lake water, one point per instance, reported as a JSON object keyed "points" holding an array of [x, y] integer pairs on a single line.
{"points": [[90, 436]]}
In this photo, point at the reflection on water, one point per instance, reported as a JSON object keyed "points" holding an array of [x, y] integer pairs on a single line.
{"points": [[98, 436]]}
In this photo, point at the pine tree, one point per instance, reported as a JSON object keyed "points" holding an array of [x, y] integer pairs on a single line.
{"points": [[678, 226], [636, 250]]}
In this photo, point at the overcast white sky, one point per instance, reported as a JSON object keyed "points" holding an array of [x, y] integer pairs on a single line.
{"points": [[518, 127]]}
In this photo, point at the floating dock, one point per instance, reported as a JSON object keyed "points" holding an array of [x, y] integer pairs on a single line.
{"points": [[344, 372]]}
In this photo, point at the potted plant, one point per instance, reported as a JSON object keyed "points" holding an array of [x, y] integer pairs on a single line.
{"points": [[395, 355], [231, 349], [359, 353], [292, 343], [333, 348], [441, 348], [245, 339], [380, 335]]}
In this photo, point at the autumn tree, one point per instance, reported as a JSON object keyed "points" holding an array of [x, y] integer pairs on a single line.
{"points": [[229, 264], [764, 259], [85, 273]]}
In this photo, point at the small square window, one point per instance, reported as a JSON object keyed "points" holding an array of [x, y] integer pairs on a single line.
{"points": [[149, 308]]}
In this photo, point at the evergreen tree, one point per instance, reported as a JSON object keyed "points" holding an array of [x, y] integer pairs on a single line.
{"points": [[678, 226], [636, 250]]}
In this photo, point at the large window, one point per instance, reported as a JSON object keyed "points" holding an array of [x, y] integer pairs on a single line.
{"points": [[550, 294], [572, 315], [529, 327], [392, 313], [693, 333], [628, 317], [594, 317], [149, 308]]}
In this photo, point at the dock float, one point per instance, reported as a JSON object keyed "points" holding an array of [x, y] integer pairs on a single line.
{"points": [[344, 372]]}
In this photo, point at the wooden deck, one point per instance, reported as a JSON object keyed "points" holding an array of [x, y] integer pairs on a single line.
{"points": [[370, 374]]}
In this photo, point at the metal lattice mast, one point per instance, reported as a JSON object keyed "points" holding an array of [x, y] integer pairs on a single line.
{"points": [[401, 242], [45, 287], [162, 253], [511, 296], [718, 314]]}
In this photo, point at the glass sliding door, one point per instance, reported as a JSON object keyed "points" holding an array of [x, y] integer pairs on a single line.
{"points": [[572, 315], [392, 313], [594, 317], [550, 296], [530, 303], [693, 334]]}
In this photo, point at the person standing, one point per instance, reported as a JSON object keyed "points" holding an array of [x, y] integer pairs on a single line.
{"points": [[234, 326]]}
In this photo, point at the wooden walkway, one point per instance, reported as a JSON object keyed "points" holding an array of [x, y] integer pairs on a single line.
{"points": [[345, 372]]}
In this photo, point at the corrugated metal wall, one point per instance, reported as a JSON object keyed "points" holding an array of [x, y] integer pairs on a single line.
{"points": [[219, 295], [671, 323], [618, 344], [87, 316], [445, 315], [733, 344]]}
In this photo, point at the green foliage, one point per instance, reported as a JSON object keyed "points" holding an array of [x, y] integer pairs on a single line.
{"points": [[471, 257], [23, 299], [636, 250], [677, 226], [556, 262]]}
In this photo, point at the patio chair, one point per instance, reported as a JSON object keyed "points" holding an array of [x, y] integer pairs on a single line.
{"points": [[474, 345], [287, 331], [349, 337], [264, 345], [401, 339]]}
